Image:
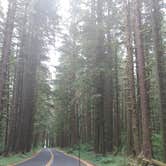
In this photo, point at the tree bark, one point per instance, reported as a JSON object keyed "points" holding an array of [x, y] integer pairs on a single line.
{"points": [[6, 48], [131, 82], [146, 147]]}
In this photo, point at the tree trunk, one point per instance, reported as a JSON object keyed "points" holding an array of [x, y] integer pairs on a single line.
{"points": [[146, 147], [99, 82], [131, 83], [6, 49]]}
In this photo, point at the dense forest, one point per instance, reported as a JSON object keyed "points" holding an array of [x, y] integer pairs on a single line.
{"points": [[108, 89]]}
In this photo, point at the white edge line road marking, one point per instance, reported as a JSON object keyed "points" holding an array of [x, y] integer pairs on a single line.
{"points": [[51, 159]]}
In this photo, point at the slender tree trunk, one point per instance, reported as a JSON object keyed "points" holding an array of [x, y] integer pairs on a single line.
{"points": [[138, 107], [146, 147], [116, 107], [6, 49], [99, 80], [108, 90], [131, 81], [7, 111], [16, 119]]}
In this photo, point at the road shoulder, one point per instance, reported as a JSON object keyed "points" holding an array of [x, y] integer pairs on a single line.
{"points": [[85, 163], [29, 158]]}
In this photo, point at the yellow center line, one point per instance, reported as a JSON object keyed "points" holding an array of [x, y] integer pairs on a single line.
{"points": [[51, 159]]}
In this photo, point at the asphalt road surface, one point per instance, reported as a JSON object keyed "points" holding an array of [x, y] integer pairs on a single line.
{"points": [[41, 159], [58, 159]]}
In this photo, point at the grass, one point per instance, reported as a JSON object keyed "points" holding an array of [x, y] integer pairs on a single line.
{"points": [[12, 159], [99, 160]]}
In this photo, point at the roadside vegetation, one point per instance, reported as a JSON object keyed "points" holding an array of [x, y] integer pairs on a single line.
{"points": [[13, 159], [86, 153], [118, 158]]}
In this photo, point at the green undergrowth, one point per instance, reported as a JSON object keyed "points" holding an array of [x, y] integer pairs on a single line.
{"points": [[12, 159], [157, 147], [87, 154]]}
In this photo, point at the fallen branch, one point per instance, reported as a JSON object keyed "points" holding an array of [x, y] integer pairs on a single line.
{"points": [[154, 162], [145, 162]]}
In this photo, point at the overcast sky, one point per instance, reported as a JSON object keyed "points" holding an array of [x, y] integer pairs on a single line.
{"points": [[4, 4], [54, 55]]}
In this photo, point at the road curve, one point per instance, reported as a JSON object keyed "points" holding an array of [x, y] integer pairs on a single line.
{"points": [[51, 157]]}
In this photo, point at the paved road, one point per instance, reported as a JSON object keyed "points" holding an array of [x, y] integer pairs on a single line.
{"points": [[40, 160], [62, 160], [58, 159]]}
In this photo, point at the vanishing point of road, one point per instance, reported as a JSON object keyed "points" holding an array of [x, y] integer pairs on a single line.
{"points": [[51, 157]]}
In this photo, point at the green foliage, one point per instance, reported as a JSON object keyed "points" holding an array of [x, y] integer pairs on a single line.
{"points": [[86, 152], [12, 159], [157, 146]]}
